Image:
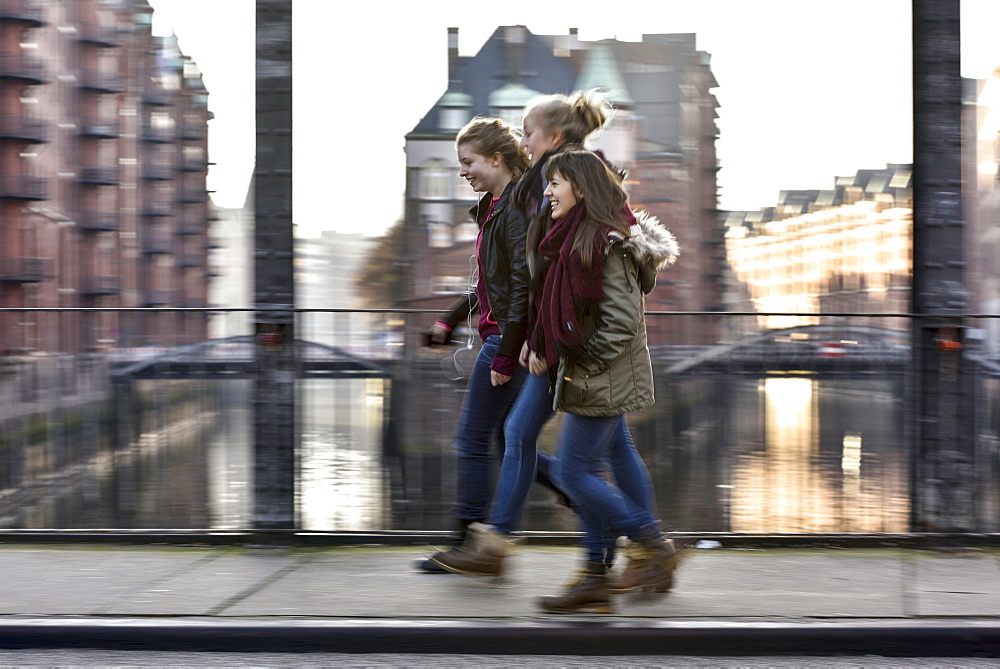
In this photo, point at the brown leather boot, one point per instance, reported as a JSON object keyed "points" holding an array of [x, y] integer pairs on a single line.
{"points": [[586, 593], [482, 554], [428, 565], [650, 566]]}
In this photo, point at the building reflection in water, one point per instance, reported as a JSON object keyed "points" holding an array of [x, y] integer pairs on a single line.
{"points": [[341, 475], [814, 471]]}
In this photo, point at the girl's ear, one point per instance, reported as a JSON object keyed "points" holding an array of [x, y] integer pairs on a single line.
{"points": [[497, 160]]}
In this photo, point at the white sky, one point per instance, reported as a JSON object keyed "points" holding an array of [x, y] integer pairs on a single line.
{"points": [[809, 89]]}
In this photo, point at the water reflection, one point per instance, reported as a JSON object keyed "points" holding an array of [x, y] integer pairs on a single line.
{"points": [[831, 459], [341, 473], [824, 453]]}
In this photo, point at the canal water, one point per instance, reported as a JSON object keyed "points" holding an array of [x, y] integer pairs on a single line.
{"points": [[736, 454]]}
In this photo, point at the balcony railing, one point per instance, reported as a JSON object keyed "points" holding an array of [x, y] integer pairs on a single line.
{"points": [[157, 172], [98, 35], [22, 187], [155, 98], [100, 128], [156, 135], [23, 67], [157, 209], [155, 242], [157, 298], [99, 221], [23, 127], [99, 176], [25, 270], [193, 165], [192, 196], [192, 132], [97, 286], [191, 227], [26, 11], [102, 82]]}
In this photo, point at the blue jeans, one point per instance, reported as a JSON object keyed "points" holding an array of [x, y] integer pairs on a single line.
{"points": [[484, 409], [587, 445], [531, 410]]}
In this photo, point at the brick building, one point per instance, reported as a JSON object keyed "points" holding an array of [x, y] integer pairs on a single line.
{"points": [[843, 250], [103, 157], [663, 132]]}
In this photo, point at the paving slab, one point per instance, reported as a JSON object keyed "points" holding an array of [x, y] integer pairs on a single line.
{"points": [[955, 584], [84, 579], [209, 585], [789, 583], [383, 583]]}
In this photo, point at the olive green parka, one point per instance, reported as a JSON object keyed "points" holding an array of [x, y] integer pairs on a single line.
{"points": [[614, 375]]}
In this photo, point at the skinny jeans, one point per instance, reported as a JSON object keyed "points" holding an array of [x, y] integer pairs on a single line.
{"points": [[587, 444], [484, 409], [521, 459]]}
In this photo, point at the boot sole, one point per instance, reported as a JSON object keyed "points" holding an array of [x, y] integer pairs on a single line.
{"points": [[660, 587], [590, 608], [464, 572]]}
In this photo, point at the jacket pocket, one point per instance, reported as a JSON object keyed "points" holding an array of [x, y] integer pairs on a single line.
{"points": [[586, 388]]}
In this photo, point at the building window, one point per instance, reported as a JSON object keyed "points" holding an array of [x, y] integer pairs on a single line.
{"points": [[447, 284], [438, 235], [435, 180], [466, 232]]}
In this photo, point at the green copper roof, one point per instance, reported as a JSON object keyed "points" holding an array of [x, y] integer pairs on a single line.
{"points": [[455, 99], [512, 96], [601, 71]]}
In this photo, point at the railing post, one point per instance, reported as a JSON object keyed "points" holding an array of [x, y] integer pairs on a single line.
{"points": [[943, 442], [275, 381]]}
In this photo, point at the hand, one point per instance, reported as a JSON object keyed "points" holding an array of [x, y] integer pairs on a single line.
{"points": [[440, 334], [536, 363], [498, 379], [523, 358]]}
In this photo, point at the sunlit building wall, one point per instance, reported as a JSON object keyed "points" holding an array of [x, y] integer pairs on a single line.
{"points": [[838, 251], [325, 268], [103, 156], [981, 200]]}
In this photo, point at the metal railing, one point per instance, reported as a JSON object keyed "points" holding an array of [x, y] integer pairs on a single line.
{"points": [[146, 422]]}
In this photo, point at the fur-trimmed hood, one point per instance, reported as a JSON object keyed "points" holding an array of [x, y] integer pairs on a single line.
{"points": [[651, 245]]}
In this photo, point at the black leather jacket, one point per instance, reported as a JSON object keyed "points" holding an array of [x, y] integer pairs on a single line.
{"points": [[506, 272]]}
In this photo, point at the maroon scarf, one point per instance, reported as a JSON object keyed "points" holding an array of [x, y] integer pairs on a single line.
{"points": [[570, 291]]}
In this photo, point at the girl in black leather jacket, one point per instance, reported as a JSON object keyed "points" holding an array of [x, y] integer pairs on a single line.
{"points": [[490, 160]]}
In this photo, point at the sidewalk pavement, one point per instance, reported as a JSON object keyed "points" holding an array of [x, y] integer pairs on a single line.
{"points": [[891, 601]]}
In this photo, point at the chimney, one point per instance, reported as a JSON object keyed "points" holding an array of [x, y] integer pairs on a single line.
{"points": [[452, 55]]}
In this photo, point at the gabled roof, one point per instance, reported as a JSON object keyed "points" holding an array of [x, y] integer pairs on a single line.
{"points": [[600, 70]]}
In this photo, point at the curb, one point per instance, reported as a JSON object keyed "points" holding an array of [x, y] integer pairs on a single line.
{"points": [[296, 538], [580, 636]]}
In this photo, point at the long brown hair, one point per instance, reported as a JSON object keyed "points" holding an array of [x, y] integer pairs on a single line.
{"points": [[602, 194], [489, 136]]}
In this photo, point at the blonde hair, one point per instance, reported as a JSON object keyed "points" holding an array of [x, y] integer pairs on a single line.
{"points": [[576, 115], [489, 136]]}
